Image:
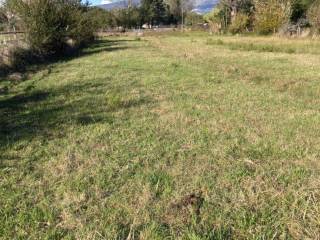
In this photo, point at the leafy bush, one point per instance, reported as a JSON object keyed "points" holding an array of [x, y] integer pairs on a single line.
{"points": [[299, 9], [216, 19], [20, 57], [192, 19], [270, 15], [50, 23], [240, 23], [314, 15], [3, 19], [128, 17]]}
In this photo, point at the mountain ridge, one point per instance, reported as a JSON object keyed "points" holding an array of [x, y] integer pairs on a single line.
{"points": [[201, 6]]}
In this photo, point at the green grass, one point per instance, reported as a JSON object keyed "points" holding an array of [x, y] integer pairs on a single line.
{"points": [[165, 137], [268, 44]]}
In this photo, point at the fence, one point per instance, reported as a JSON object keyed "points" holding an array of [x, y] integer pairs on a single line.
{"points": [[8, 41], [11, 38]]}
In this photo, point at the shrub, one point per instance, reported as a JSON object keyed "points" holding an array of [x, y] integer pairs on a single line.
{"points": [[216, 19], [270, 15], [314, 15], [192, 19], [240, 23], [19, 58], [50, 23], [3, 19]]}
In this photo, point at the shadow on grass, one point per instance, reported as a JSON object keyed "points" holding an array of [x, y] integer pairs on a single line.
{"points": [[31, 63], [47, 115], [98, 46]]}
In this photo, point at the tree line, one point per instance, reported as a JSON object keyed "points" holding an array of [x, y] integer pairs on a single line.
{"points": [[51, 26], [265, 16], [55, 26], [149, 12], [229, 16]]}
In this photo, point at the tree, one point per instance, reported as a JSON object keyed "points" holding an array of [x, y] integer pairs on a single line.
{"points": [[3, 19], [299, 9], [186, 6], [235, 15], [50, 23], [127, 18], [217, 19], [314, 15], [153, 11], [240, 23], [179, 9], [101, 18], [270, 15], [233, 7], [193, 18], [174, 10]]}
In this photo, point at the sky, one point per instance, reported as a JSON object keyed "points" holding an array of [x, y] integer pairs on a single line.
{"points": [[97, 2]]}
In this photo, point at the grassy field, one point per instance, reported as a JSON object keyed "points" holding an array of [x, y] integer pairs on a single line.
{"points": [[165, 137]]}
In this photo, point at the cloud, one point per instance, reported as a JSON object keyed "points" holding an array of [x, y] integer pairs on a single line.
{"points": [[106, 1]]}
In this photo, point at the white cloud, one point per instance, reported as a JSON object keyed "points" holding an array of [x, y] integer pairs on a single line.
{"points": [[106, 1]]}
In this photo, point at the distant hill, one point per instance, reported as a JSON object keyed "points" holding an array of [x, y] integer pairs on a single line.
{"points": [[118, 4], [200, 6]]}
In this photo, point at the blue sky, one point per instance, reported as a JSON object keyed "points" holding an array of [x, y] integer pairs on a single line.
{"points": [[97, 2]]}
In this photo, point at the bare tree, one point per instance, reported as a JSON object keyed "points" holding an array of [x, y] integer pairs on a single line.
{"points": [[235, 6], [186, 6]]}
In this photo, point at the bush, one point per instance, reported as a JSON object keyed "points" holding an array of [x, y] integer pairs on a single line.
{"points": [[314, 15], [3, 19], [240, 23], [20, 57], [216, 19], [102, 19], [50, 23], [192, 19], [270, 15]]}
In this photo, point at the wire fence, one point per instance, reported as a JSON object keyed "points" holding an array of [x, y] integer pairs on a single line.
{"points": [[9, 41], [11, 38]]}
